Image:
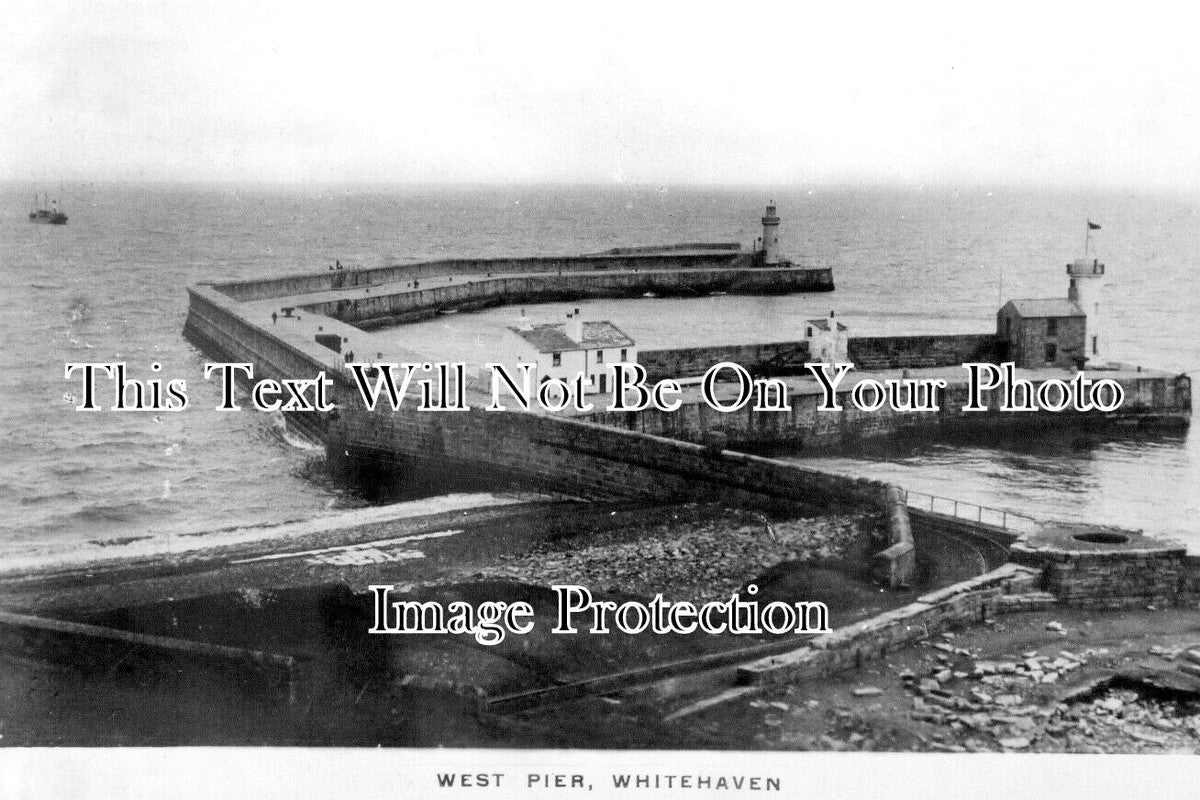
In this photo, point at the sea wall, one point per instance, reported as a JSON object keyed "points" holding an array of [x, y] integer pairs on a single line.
{"points": [[770, 358], [913, 352], [411, 305], [532, 450], [569, 456], [804, 426], [310, 282], [580, 458], [788, 358], [307, 282], [213, 322]]}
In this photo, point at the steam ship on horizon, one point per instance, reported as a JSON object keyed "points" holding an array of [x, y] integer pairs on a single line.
{"points": [[48, 214]]}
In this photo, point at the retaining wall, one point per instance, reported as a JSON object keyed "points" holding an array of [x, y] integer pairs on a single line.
{"points": [[896, 565], [964, 603], [93, 648]]}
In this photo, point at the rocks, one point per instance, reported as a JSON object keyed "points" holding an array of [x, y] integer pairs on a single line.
{"points": [[706, 558], [1190, 669], [997, 704], [1014, 742], [981, 697]]}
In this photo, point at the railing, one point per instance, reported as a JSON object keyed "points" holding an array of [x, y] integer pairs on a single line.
{"points": [[1009, 520]]}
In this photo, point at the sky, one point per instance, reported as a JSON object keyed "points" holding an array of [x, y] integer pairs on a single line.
{"points": [[613, 92]]}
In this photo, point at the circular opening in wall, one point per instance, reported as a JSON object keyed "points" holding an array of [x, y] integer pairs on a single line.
{"points": [[1101, 538]]}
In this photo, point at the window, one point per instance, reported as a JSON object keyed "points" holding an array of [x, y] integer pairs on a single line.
{"points": [[1095, 345], [624, 354], [556, 359], [1008, 327], [599, 356], [1051, 353], [808, 332], [1052, 327]]}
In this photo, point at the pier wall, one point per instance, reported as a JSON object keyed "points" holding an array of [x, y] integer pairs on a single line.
{"points": [[412, 305], [805, 426], [771, 358], [568, 456], [213, 321], [914, 352], [789, 358], [330, 280], [539, 451]]}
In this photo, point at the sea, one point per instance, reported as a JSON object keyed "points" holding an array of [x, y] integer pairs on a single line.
{"points": [[110, 286]]}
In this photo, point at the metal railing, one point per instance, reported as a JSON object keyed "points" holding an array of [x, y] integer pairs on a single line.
{"points": [[1009, 520]]}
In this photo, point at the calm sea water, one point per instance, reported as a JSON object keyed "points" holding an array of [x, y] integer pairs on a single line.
{"points": [[109, 286]]}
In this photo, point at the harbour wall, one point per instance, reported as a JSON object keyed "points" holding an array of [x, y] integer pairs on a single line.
{"points": [[771, 358], [789, 358], [915, 352], [578, 458], [332, 280], [804, 426], [538, 451], [413, 305]]}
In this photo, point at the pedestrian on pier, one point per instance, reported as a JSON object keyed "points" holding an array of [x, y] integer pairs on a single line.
{"points": [[274, 317]]}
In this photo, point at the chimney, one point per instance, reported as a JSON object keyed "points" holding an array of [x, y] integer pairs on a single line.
{"points": [[523, 323], [574, 329]]}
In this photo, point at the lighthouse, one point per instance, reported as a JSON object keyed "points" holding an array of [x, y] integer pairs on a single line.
{"points": [[1085, 275], [770, 238]]}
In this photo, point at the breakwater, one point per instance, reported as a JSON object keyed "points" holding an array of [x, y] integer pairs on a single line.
{"points": [[1150, 398], [819, 279], [648, 456], [789, 357], [376, 306], [549, 453]]}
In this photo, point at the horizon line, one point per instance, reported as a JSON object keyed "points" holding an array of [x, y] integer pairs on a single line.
{"points": [[614, 185]]}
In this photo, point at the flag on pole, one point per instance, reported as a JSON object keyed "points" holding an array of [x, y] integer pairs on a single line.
{"points": [[1093, 226]]}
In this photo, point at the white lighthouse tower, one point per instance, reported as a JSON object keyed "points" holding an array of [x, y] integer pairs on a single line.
{"points": [[1086, 275], [770, 238]]}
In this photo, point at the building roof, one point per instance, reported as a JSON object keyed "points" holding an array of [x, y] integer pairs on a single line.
{"points": [[823, 324], [553, 338], [1046, 307]]}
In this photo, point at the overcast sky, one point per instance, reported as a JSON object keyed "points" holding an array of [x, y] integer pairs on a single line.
{"points": [[736, 93]]}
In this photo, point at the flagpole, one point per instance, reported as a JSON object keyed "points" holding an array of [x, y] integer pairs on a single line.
{"points": [[1087, 238]]}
